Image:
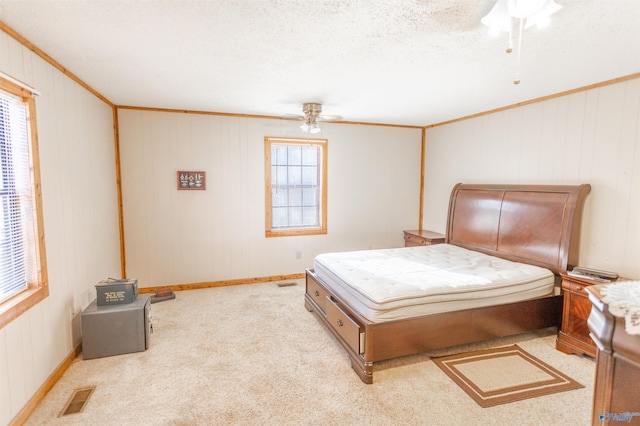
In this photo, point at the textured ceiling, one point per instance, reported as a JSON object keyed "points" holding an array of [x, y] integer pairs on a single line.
{"points": [[413, 62]]}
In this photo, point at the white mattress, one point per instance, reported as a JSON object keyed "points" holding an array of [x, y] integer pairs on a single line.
{"points": [[391, 284]]}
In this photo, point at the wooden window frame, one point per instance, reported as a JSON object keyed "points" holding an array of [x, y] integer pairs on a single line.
{"points": [[322, 229], [39, 290]]}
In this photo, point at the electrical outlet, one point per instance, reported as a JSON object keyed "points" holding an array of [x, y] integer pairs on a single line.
{"points": [[298, 254]]}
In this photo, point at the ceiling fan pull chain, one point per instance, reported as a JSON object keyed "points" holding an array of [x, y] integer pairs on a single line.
{"points": [[510, 40], [517, 78]]}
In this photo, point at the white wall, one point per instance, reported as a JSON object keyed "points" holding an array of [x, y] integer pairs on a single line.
{"points": [[587, 137], [175, 237], [75, 132], [180, 237]]}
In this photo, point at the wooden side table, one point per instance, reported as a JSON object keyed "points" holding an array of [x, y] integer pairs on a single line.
{"points": [[573, 336], [422, 238]]}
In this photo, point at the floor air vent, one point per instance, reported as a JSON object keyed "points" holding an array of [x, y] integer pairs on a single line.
{"points": [[286, 284], [78, 401]]}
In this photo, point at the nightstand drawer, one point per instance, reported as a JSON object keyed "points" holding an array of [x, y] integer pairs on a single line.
{"points": [[422, 238], [411, 240], [575, 287]]}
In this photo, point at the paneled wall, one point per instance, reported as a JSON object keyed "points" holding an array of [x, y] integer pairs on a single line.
{"points": [[587, 137], [182, 237], [75, 132]]}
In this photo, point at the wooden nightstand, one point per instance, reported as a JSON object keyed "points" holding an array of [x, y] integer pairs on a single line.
{"points": [[422, 238], [573, 336]]}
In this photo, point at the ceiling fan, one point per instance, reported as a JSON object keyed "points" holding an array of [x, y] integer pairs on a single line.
{"points": [[312, 114]]}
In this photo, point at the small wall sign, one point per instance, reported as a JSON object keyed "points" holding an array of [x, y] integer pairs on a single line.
{"points": [[191, 180]]}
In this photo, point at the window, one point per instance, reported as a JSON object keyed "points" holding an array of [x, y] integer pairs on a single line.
{"points": [[22, 260], [296, 186]]}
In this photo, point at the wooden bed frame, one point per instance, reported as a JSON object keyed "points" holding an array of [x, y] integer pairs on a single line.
{"points": [[536, 224]]}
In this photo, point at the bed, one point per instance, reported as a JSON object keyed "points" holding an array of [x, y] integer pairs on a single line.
{"points": [[513, 241]]}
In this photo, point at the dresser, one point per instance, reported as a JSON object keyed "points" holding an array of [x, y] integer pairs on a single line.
{"points": [[615, 393], [573, 336], [422, 238]]}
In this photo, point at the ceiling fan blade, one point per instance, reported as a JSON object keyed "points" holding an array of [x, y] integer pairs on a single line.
{"points": [[293, 116], [312, 109], [329, 117]]}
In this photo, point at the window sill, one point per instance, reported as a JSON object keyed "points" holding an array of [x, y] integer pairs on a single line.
{"points": [[294, 232], [19, 304]]}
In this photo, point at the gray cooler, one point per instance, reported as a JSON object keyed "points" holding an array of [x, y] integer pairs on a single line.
{"points": [[116, 329]]}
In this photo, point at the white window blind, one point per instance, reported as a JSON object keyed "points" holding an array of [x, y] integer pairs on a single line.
{"points": [[16, 226]]}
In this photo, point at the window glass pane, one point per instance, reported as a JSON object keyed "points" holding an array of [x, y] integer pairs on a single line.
{"points": [[310, 216], [279, 197], [279, 175], [278, 154], [309, 175], [295, 216], [309, 196], [295, 197], [279, 217], [295, 155], [295, 175], [310, 155]]}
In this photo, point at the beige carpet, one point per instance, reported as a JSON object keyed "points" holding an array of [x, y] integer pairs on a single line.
{"points": [[503, 375], [253, 355]]}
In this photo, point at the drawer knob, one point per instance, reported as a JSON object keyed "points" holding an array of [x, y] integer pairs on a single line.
{"points": [[340, 323], [317, 294], [579, 288]]}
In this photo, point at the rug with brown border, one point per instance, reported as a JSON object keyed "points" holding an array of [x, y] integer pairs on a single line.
{"points": [[502, 375]]}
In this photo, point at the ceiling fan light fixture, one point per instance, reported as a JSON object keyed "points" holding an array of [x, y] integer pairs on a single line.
{"points": [[311, 112], [523, 13], [536, 12], [498, 19]]}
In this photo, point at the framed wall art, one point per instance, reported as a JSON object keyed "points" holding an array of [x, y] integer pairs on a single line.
{"points": [[191, 180]]}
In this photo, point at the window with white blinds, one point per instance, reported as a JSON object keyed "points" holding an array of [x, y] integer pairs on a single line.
{"points": [[16, 226]]}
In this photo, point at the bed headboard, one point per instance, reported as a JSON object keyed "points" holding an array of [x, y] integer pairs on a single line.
{"points": [[536, 224]]}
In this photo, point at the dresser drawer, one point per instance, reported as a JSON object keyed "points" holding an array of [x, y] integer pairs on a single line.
{"points": [[345, 326], [318, 294]]}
